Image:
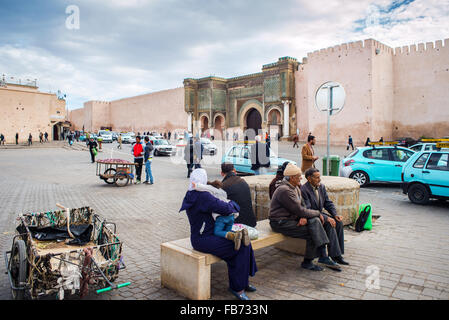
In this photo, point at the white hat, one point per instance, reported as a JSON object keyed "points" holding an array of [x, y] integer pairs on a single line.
{"points": [[292, 170]]}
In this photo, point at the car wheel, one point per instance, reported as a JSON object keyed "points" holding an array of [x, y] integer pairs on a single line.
{"points": [[418, 193], [156, 153], [361, 177]]}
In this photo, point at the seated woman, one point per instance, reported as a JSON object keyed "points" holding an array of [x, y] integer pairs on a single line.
{"points": [[199, 207]]}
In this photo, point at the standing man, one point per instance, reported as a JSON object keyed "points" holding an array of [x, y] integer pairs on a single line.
{"points": [[17, 138], [295, 140], [137, 151], [2, 139], [30, 139], [41, 137], [46, 136], [169, 135], [308, 154], [148, 158], [92, 148], [350, 143], [315, 197], [188, 156], [260, 157], [198, 149], [289, 216]]}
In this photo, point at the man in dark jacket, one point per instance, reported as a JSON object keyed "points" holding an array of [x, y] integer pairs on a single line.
{"points": [[289, 216], [189, 156], [316, 198], [238, 191], [92, 144], [148, 158], [260, 157]]}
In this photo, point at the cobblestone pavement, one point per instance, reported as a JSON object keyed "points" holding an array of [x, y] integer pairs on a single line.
{"points": [[406, 246]]}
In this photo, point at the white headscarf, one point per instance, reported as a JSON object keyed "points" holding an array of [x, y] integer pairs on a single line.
{"points": [[198, 176]]}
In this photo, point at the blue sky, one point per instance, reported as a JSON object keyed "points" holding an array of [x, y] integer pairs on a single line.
{"points": [[130, 47]]}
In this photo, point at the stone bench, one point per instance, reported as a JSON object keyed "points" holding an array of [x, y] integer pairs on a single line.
{"points": [[188, 271]]}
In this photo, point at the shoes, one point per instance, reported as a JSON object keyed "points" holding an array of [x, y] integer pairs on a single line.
{"points": [[311, 266], [250, 288], [341, 261], [242, 296], [327, 262], [148, 182], [245, 238], [138, 182], [236, 237]]}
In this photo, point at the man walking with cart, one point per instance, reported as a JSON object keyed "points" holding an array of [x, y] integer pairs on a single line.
{"points": [[137, 151]]}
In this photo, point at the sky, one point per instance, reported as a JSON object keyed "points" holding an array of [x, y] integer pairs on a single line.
{"points": [[112, 49]]}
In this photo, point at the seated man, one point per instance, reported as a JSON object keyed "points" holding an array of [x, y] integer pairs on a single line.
{"points": [[289, 216], [315, 197]]}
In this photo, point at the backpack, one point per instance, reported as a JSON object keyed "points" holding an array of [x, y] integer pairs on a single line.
{"points": [[364, 221]]}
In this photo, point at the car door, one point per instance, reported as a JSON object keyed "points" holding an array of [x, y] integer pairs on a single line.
{"points": [[233, 156], [399, 157], [377, 164], [436, 174], [245, 157]]}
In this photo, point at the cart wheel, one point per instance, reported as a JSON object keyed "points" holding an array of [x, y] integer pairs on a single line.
{"points": [[110, 180], [121, 179], [18, 268]]}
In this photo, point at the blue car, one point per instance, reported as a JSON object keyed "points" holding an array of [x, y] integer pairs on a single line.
{"points": [[375, 164], [426, 175], [240, 156]]}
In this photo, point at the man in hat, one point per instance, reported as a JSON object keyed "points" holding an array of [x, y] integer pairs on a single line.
{"points": [[315, 197], [290, 217]]}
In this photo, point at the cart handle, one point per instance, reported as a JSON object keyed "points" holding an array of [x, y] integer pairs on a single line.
{"points": [[115, 287]]}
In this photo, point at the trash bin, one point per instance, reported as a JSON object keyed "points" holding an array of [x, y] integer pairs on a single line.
{"points": [[334, 163]]}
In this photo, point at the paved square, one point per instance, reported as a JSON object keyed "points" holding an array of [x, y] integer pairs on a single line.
{"points": [[406, 248]]}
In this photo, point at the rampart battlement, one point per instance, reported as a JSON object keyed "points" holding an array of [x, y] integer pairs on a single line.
{"points": [[428, 47]]}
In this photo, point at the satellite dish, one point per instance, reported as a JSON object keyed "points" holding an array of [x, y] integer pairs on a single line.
{"points": [[330, 95]]}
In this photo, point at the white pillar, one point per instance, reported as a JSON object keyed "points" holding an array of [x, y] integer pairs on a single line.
{"points": [[286, 127], [189, 122]]}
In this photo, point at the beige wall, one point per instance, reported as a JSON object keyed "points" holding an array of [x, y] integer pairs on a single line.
{"points": [[26, 110], [422, 90], [389, 93], [160, 111]]}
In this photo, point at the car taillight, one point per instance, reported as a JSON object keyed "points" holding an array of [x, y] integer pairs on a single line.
{"points": [[402, 176], [349, 162]]}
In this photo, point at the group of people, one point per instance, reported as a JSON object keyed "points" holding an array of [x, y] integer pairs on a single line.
{"points": [[299, 211], [43, 137]]}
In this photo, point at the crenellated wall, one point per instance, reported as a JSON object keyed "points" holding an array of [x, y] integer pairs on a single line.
{"points": [[389, 92]]}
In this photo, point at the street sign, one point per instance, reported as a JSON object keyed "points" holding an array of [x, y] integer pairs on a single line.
{"points": [[330, 98], [330, 95]]}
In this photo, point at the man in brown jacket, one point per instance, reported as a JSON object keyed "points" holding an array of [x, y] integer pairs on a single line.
{"points": [[289, 216], [308, 154]]}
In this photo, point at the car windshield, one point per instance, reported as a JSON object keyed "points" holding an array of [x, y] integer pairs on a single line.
{"points": [[161, 142], [205, 141]]}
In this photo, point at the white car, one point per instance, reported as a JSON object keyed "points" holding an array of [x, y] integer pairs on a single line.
{"points": [[105, 135], [162, 147], [424, 147], [209, 147], [126, 138]]}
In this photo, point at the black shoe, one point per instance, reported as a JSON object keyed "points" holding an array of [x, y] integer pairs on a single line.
{"points": [[311, 266], [250, 288], [327, 262], [341, 261]]}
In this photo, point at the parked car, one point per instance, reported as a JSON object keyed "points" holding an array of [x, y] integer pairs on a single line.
{"points": [[406, 141], [209, 147], [114, 136], [106, 135], [426, 175], [240, 156], [162, 147], [82, 137], [126, 138], [423, 147], [375, 164]]}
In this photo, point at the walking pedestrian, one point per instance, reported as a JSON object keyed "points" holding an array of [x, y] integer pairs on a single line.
{"points": [[295, 140], [169, 135], [119, 140], [2, 139], [198, 149], [308, 154], [148, 158], [92, 148], [46, 136], [260, 157], [17, 138], [137, 151], [350, 143], [368, 141], [30, 140], [381, 139], [41, 137], [189, 155]]}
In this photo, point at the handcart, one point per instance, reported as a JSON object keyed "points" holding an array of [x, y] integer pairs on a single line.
{"points": [[57, 252], [115, 171]]}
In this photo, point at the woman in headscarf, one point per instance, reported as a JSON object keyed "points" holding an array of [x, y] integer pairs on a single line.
{"points": [[276, 182], [199, 207]]}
